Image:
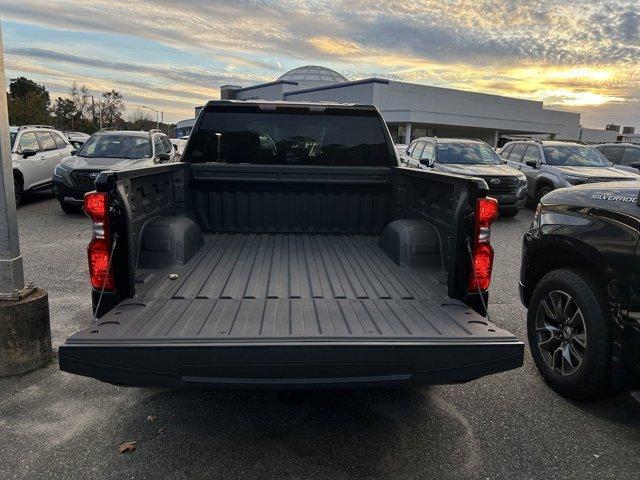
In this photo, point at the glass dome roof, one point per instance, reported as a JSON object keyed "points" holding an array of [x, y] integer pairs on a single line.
{"points": [[313, 73]]}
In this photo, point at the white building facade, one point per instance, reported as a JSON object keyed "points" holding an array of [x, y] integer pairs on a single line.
{"points": [[414, 110]]}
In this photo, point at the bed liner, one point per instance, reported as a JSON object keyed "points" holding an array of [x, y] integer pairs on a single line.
{"points": [[290, 310]]}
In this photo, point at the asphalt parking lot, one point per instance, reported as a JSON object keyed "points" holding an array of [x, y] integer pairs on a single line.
{"points": [[55, 425]]}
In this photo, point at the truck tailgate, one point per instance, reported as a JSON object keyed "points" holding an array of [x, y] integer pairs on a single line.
{"points": [[266, 310]]}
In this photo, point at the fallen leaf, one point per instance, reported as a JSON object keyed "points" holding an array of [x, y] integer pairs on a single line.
{"points": [[160, 430], [127, 447], [151, 418]]}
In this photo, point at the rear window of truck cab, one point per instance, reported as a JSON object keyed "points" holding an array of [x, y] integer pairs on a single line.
{"points": [[291, 138]]}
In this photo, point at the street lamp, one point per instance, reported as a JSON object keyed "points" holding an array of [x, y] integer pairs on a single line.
{"points": [[157, 112]]}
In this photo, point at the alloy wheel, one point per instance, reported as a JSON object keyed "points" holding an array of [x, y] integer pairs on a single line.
{"points": [[561, 332]]}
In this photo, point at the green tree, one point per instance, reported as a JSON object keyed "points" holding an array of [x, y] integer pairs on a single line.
{"points": [[28, 102], [66, 114]]}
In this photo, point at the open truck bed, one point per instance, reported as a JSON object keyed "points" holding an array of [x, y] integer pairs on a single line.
{"points": [[288, 250], [290, 310]]}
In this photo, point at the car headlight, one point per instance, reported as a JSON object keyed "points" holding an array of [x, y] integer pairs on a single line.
{"points": [[60, 170], [574, 179], [522, 180]]}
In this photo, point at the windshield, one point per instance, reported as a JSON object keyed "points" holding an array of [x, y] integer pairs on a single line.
{"points": [[467, 154], [12, 138], [291, 139], [116, 146], [574, 156]]}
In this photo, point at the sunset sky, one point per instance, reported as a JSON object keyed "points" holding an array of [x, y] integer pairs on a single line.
{"points": [[581, 56]]}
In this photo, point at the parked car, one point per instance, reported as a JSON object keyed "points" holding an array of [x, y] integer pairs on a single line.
{"points": [[77, 139], [400, 148], [471, 158], [289, 250], [550, 164], [179, 144], [625, 156], [35, 151], [580, 281], [107, 150]]}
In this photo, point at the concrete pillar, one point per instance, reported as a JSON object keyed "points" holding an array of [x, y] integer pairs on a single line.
{"points": [[407, 133], [25, 333], [496, 136]]}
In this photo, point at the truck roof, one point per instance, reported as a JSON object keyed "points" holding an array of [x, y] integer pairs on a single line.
{"points": [[280, 103]]}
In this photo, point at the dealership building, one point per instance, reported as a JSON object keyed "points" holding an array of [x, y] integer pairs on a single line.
{"points": [[414, 110]]}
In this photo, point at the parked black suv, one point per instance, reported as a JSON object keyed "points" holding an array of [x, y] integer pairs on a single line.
{"points": [[580, 280], [471, 158], [107, 150]]}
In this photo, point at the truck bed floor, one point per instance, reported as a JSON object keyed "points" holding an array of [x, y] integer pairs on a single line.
{"points": [[291, 287]]}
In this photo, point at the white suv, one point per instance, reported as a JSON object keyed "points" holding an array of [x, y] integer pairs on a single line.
{"points": [[35, 152]]}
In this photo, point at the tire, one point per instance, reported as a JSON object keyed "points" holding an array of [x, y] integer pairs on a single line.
{"points": [[541, 192], [510, 213], [583, 379], [17, 186], [70, 209]]}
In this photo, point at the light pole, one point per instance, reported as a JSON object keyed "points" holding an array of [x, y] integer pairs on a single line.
{"points": [[25, 332], [157, 112]]}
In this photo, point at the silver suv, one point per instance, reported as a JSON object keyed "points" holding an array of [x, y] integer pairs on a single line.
{"points": [[550, 164], [625, 156], [35, 152]]}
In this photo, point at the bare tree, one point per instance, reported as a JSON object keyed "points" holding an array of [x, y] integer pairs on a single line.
{"points": [[112, 103], [140, 119], [81, 99]]}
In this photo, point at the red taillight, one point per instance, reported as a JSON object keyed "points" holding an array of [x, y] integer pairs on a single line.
{"points": [[99, 251], [99, 268], [95, 205], [482, 265], [486, 211], [482, 262]]}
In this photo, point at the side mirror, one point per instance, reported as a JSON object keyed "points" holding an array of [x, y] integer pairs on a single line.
{"points": [[73, 152], [426, 162], [531, 163], [27, 152], [635, 165], [163, 157]]}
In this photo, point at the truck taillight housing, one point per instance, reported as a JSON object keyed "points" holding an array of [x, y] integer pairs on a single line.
{"points": [[99, 251], [482, 253]]}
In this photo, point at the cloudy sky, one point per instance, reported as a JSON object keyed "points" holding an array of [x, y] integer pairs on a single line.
{"points": [[578, 55]]}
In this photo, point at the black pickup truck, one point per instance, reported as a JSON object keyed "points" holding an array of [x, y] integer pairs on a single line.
{"points": [[580, 280], [289, 250]]}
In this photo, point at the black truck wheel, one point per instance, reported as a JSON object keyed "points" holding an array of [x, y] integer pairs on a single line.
{"points": [[568, 325], [542, 191], [71, 209]]}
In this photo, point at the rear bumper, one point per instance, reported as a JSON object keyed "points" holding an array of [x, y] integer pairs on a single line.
{"points": [[290, 364]]}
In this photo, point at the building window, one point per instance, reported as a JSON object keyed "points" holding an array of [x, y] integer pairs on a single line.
{"points": [[398, 136], [418, 132]]}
